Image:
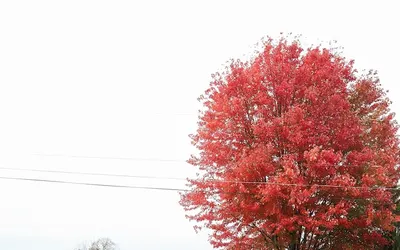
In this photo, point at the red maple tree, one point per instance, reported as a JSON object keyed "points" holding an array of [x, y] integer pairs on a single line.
{"points": [[296, 152]]}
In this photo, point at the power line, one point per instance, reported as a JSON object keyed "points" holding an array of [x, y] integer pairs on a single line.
{"points": [[126, 158], [173, 114], [92, 184], [110, 158], [213, 181], [132, 187], [93, 174]]}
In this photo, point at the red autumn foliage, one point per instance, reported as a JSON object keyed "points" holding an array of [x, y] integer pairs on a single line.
{"points": [[296, 152]]}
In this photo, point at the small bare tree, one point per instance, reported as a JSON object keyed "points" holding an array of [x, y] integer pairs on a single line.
{"points": [[100, 244]]}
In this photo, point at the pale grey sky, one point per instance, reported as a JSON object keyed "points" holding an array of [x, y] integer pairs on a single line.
{"points": [[121, 79]]}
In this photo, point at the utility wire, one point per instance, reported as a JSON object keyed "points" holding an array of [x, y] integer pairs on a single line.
{"points": [[126, 158], [133, 187], [172, 114], [212, 181], [91, 184], [109, 157], [91, 173]]}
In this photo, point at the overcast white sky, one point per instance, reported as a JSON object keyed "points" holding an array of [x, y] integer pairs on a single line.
{"points": [[120, 79]]}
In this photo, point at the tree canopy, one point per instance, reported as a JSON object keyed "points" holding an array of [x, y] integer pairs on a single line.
{"points": [[297, 150]]}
